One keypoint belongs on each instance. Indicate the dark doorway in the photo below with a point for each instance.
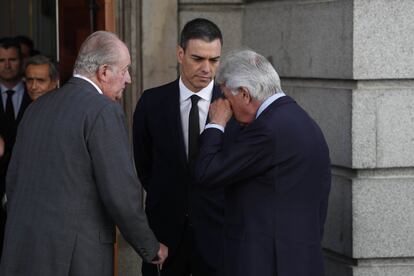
(78, 19)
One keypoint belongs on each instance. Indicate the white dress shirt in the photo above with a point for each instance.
(205, 95)
(17, 97)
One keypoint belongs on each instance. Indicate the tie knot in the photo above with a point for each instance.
(194, 99)
(10, 93)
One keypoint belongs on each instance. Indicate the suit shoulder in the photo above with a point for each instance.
(160, 91)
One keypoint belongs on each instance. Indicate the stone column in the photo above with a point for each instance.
(149, 28)
(350, 64)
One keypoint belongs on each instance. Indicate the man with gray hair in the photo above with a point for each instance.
(42, 76)
(276, 173)
(72, 179)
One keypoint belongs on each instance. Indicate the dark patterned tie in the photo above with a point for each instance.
(193, 132)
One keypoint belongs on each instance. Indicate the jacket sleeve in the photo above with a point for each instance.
(117, 181)
(249, 154)
(142, 143)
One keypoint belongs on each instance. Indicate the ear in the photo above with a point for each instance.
(245, 94)
(103, 73)
(180, 54)
(54, 84)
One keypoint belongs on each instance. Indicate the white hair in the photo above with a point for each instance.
(246, 68)
(99, 48)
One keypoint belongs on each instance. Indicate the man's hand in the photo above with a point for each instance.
(162, 255)
(220, 112)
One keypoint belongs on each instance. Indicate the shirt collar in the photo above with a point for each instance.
(204, 93)
(17, 88)
(268, 102)
(88, 80)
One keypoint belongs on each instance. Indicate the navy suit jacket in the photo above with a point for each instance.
(276, 176)
(172, 199)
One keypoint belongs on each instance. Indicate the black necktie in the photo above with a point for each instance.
(10, 119)
(193, 132)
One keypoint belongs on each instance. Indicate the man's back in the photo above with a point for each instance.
(70, 151)
(50, 184)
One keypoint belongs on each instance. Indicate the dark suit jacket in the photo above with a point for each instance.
(9, 136)
(70, 180)
(162, 167)
(276, 176)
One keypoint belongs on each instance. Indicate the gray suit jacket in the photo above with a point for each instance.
(70, 180)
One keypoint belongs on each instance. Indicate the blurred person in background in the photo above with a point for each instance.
(13, 102)
(41, 75)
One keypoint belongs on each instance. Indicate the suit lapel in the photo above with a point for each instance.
(1, 103)
(25, 102)
(173, 119)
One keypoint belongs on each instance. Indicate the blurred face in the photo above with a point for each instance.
(199, 62)
(38, 81)
(244, 108)
(117, 76)
(25, 51)
(10, 65)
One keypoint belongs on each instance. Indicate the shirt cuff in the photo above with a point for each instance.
(215, 126)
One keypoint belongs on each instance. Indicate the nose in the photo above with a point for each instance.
(206, 67)
(33, 85)
(127, 77)
(7, 63)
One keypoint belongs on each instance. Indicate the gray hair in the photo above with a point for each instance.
(40, 60)
(246, 68)
(99, 48)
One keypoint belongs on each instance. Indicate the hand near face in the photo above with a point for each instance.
(220, 112)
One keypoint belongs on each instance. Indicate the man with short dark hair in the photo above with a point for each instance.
(26, 47)
(167, 122)
(41, 75)
(13, 102)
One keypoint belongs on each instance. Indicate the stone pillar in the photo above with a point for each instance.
(350, 64)
(149, 28)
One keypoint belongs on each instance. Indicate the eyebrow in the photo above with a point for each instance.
(200, 57)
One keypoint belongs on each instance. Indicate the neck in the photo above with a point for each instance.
(10, 84)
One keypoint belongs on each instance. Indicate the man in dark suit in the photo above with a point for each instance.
(276, 173)
(13, 102)
(72, 179)
(167, 123)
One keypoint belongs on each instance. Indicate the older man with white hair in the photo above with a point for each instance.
(72, 179)
(276, 173)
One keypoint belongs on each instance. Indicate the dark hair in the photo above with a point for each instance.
(22, 39)
(10, 42)
(200, 28)
(41, 59)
